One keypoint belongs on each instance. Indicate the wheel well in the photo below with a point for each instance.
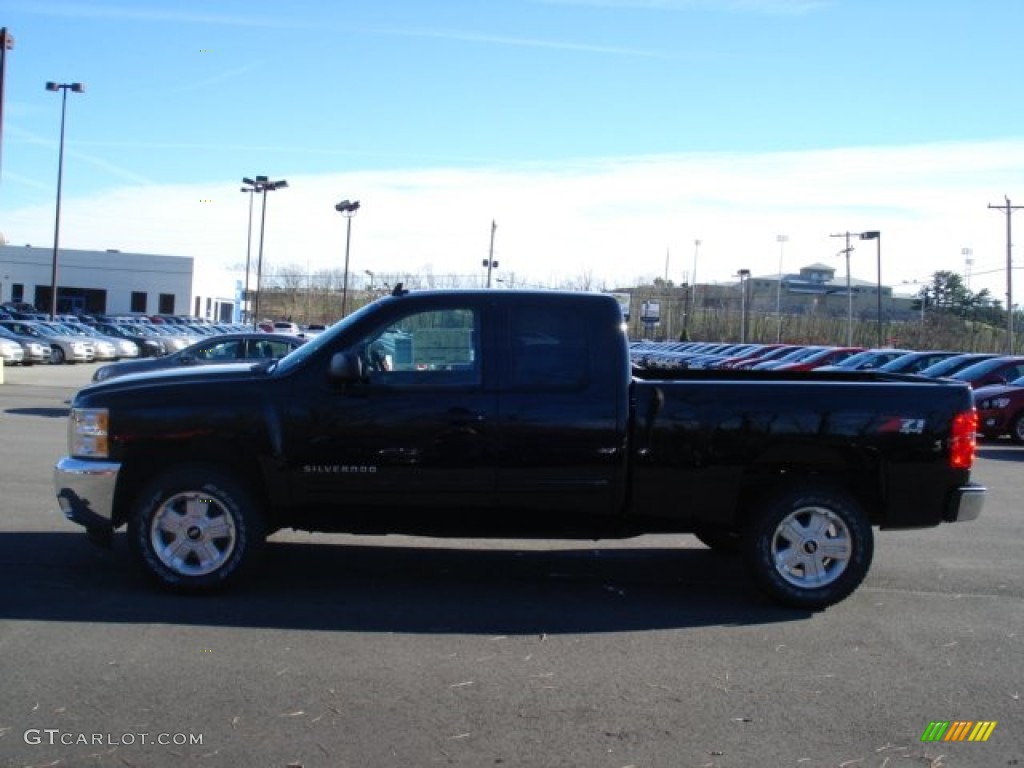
(146, 463)
(853, 472)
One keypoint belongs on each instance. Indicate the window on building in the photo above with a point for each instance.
(165, 306)
(17, 292)
(138, 301)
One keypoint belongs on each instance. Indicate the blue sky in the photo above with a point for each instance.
(604, 136)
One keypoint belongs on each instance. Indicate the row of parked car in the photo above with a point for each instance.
(996, 380)
(64, 340)
(28, 337)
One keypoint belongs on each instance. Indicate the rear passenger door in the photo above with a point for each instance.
(559, 422)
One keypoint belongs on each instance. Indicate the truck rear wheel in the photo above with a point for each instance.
(809, 548)
(196, 528)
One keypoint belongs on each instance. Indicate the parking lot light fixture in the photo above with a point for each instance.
(346, 208)
(251, 188)
(877, 237)
(63, 88)
(265, 185)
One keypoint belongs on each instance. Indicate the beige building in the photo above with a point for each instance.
(814, 289)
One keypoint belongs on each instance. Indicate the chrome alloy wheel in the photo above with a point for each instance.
(811, 547)
(193, 533)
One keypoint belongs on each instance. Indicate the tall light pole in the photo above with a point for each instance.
(877, 237)
(264, 185)
(781, 240)
(252, 189)
(6, 44)
(347, 209)
(63, 88)
(744, 280)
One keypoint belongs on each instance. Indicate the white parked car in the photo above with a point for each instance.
(11, 352)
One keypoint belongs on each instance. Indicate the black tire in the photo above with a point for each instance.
(57, 356)
(1017, 429)
(809, 548)
(719, 540)
(196, 529)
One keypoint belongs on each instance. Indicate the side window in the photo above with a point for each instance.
(437, 348)
(277, 349)
(549, 349)
(226, 350)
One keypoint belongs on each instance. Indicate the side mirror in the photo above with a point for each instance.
(345, 367)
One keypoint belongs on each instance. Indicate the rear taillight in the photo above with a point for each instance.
(963, 441)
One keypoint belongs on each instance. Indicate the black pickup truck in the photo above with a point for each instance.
(514, 414)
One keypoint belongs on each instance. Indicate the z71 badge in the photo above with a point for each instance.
(903, 426)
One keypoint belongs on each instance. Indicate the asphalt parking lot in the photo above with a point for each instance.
(394, 651)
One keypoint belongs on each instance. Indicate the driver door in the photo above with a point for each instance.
(416, 430)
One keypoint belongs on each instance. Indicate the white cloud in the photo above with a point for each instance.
(614, 218)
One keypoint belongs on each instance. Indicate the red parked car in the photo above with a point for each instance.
(1001, 410)
(996, 370)
(829, 356)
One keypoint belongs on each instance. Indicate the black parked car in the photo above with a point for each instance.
(226, 348)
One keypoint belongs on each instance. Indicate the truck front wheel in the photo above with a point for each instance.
(809, 548)
(195, 528)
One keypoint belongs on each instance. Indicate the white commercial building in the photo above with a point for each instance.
(114, 282)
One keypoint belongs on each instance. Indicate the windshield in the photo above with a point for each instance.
(952, 364)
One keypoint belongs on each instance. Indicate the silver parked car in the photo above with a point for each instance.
(120, 347)
(11, 352)
(35, 350)
(63, 349)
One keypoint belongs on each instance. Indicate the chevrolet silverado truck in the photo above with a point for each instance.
(514, 414)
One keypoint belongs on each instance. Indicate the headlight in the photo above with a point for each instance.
(87, 432)
(994, 403)
(78, 348)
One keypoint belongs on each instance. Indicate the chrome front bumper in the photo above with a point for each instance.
(85, 492)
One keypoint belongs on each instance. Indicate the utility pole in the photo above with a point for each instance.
(489, 262)
(849, 291)
(1008, 210)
